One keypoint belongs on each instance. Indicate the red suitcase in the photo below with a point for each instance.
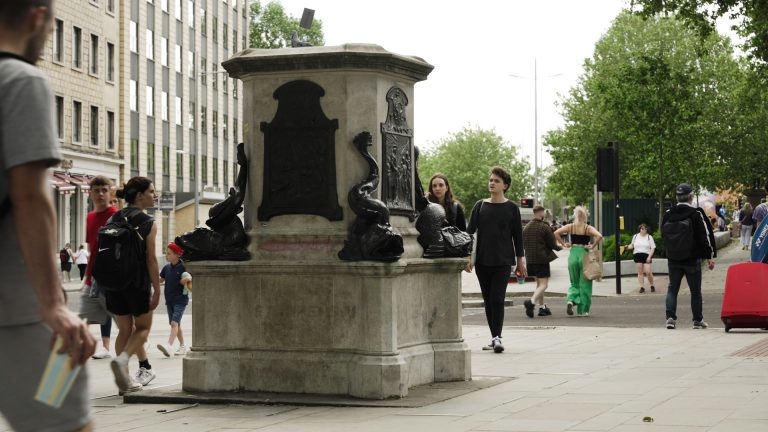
(745, 303)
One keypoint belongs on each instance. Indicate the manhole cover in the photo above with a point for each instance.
(757, 349)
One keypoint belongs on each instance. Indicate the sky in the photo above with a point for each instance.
(483, 53)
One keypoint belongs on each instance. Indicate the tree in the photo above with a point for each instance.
(271, 27)
(702, 15)
(665, 94)
(466, 158)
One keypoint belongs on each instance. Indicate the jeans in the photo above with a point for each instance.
(493, 283)
(746, 235)
(692, 273)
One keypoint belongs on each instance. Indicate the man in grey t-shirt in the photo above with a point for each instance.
(32, 304)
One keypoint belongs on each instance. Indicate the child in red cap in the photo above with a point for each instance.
(177, 285)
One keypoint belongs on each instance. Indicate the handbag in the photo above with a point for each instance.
(456, 242)
(93, 306)
(592, 265)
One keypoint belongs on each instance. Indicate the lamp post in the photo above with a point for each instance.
(536, 197)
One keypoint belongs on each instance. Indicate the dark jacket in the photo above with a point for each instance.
(539, 242)
(703, 246)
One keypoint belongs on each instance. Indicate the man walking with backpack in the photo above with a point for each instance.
(688, 238)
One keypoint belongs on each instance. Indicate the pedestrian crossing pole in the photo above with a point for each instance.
(617, 213)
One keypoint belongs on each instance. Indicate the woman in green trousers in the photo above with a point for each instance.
(581, 239)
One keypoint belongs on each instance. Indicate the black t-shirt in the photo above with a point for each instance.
(144, 222)
(499, 231)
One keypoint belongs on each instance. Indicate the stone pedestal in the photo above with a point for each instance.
(296, 318)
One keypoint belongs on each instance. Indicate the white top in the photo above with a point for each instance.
(643, 244)
(81, 257)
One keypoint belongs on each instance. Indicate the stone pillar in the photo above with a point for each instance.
(296, 318)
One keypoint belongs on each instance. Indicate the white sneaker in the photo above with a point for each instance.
(144, 376)
(182, 350)
(101, 353)
(123, 379)
(165, 349)
(134, 387)
(498, 348)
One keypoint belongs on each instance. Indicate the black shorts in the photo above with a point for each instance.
(65, 267)
(128, 302)
(539, 270)
(641, 257)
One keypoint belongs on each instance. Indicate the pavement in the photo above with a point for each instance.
(551, 378)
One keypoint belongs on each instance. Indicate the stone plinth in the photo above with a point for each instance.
(296, 318)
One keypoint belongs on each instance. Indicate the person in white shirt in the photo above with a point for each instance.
(643, 247)
(81, 259)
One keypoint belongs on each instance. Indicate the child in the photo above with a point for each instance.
(177, 285)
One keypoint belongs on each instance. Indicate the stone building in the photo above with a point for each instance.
(139, 91)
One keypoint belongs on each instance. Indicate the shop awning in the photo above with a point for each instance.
(60, 182)
(82, 180)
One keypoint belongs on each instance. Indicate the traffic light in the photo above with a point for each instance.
(526, 202)
(604, 162)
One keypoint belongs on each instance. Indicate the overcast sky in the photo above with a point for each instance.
(475, 47)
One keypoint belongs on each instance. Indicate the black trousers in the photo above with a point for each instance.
(82, 267)
(493, 283)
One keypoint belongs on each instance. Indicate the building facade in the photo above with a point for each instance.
(140, 91)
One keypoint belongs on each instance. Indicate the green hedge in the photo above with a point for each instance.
(609, 247)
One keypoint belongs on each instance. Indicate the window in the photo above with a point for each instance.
(191, 115)
(94, 54)
(134, 30)
(150, 45)
(234, 131)
(150, 157)
(164, 5)
(203, 69)
(191, 64)
(150, 102)
(77, 48)
(135, 154)
(215, 123)
(215, 172)
(191, 13)
(215, 80)
(215, 28)
(177, 10)
(134, 96)
(60, 117)
(94, 126)
(110, 61)
(203, 115)
(177, 64)
(192, 170)
(77, 121)
(164, 105)
(58, 41)
(179, 164)
(202, 22)
(224, 82)
(234, 40)
(225, 35)
(224, 126)
(163, 51)
(166, 160)
(111, 6)
(226, 168)
(204, 169)
(110, 130)
(234, 89)
(178, 110)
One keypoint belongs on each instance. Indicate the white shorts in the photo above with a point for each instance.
(25, 353)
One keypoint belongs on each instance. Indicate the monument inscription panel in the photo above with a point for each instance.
(397, 143)
(299, 155)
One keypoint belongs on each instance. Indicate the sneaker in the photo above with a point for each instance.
(165, 349)
(181, 351)
(545, 311)
(144, 376)
(653, 289)
(488, 347)
(497, 346)
(133, 387)
(120, 370)
(529, 306)
(642, 290)
(671, 324)
(101, 353)
(700, 325)
(569, 308)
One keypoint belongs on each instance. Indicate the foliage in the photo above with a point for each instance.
(271, 27)
(609, 247)
(702, 15)
(466, 158)
(665, 95)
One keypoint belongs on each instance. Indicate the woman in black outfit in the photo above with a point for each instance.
(498, 227)
(440, 193)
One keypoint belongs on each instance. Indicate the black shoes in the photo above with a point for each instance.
(544, 311)
(529, 306)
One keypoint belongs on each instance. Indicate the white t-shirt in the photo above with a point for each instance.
(643, 244)
(81, 257)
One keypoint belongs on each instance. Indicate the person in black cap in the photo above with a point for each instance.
(688, 238)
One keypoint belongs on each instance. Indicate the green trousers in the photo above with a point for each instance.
(580, 291)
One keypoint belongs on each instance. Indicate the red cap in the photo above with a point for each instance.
(176, 248)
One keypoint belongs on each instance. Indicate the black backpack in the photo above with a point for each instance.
(678, 238)
(121, 255)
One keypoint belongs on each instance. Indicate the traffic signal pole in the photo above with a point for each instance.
(617, 214)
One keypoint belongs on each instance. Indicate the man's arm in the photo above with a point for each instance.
(35, 221)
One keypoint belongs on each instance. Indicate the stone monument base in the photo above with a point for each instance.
(365, 329)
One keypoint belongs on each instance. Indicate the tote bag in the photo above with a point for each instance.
(592, 263)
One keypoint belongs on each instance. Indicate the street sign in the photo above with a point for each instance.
(166, 202)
